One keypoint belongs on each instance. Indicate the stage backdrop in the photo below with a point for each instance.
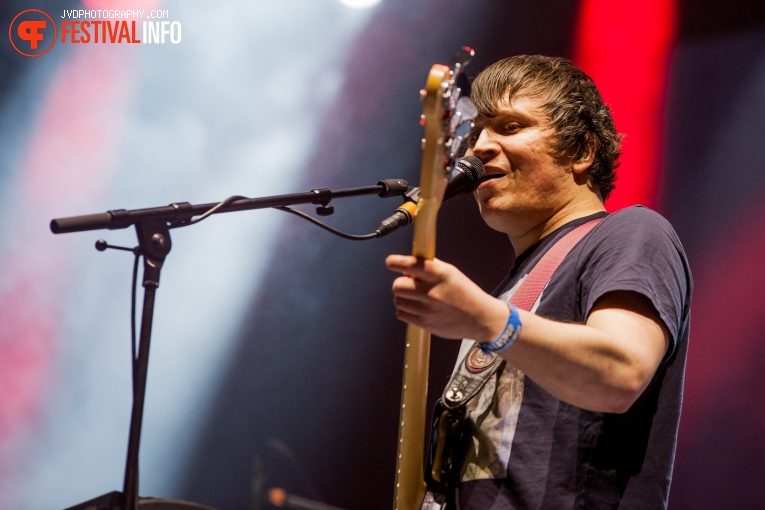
(276, 358)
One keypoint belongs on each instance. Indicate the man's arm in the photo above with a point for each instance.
(603, 365)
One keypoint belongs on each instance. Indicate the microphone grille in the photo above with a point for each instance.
(465, 177)
(473, 168)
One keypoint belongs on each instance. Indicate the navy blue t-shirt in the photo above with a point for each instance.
(532, 451)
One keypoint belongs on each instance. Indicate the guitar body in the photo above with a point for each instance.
(439, 99)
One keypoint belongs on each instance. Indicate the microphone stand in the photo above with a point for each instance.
(181, 212)
(154, 245)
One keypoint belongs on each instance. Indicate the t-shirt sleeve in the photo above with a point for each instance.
(637, 250)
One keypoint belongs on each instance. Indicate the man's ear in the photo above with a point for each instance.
(584, 161)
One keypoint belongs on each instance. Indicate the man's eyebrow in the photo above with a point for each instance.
(502, 117)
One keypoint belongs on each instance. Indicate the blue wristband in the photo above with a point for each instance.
(509, 335)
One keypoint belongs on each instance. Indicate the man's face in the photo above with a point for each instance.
(533, 181)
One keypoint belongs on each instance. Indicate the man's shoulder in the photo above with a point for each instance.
(638, 214)
(629, 239)
(634, 223)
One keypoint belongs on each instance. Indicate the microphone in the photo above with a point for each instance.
(464, 178)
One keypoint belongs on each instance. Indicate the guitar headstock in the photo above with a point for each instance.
(462, 111)
(448, 118)
(458, 112)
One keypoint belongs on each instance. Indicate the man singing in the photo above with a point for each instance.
(582, 409)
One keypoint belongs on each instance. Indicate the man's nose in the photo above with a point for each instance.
(485, 147)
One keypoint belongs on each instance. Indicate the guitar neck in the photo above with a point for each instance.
(410, 484)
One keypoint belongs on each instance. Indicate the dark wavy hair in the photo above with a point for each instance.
(569, 98)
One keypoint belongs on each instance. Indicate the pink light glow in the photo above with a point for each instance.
(66, 163)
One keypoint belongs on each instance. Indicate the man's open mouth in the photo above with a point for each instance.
(490, 177)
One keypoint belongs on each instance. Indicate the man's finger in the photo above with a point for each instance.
(414, 267)
(411, 288)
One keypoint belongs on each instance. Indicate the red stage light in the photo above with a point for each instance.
(626, 48)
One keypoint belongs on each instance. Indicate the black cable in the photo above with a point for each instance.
(207, 213)
(132, 312)
(318, 223)
(285, 208)
(133, 347)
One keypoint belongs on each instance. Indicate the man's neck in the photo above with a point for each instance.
(570, 212)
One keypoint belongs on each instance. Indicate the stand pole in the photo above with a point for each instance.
(154, 242)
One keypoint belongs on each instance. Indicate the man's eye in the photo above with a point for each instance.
(472, 138)
(512, 127)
